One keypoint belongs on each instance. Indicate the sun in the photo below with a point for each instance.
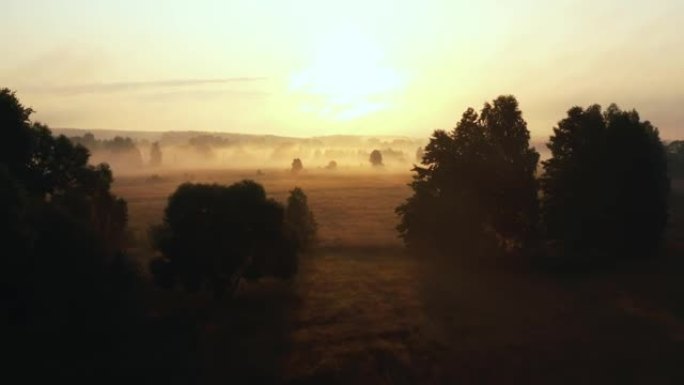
(347, 78)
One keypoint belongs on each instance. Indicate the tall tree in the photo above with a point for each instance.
(675, 158)
(297, 165)
(476, 185)
(155, 155)
(62, 232)
(15, 146)
(605, 187)
(300, 219)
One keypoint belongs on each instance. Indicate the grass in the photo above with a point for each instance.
(362, 311)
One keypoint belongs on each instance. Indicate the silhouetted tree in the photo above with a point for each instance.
(63, 280)
(155, 155)
(15, 146)
(605, 187)
(297, 165)
(300, 219)
(675, 158)
(376, 158)
(213, 236)
(476, 186)
(332, 165)
(87, 140)
(119, 150)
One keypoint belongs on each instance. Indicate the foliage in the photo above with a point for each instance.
(210, 141)
(299, 218)
(605, 188)
(118, 148)
(15, 147)
(214, 235)
(297, 165)
(675, 158)
(476, 186)
(332, 165)
(63, 279)
(376, 158)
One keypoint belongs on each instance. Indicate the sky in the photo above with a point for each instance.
(316, 67)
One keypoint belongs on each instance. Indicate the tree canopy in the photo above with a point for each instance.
(300, 219)
(376, 158)
(675, 158)
(297, 165)
(213, 236)
(62, 230)
(605, 187)
(476, 185)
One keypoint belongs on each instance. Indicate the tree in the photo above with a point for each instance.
(299, 218)
(376, 158)
(155, 155)
(297, 165)
(63, 280)
(476, 185)
(123, 151)
(675, 158)
(15, 146)
(605, 187)
(332, 165)
(213, 236)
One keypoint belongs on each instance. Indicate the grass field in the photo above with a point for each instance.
(361, 311)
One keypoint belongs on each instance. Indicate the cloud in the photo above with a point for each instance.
(136, 86)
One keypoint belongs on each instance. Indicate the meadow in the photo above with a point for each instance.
(363, 311)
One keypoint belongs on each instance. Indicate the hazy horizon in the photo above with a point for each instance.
(304, 69)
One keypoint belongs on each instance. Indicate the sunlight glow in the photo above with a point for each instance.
(346, 78)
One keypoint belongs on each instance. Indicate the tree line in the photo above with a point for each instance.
(602, 196)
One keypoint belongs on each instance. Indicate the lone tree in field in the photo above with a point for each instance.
(213, 236)
(332, 165)
(476, 186)
(297, 165)
(376, 158)
(299, 219)
(605, 187)
(155, 155)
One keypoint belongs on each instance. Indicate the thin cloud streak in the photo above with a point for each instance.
(140, 85)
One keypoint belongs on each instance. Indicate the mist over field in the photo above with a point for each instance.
(192, 150)
(342, 192)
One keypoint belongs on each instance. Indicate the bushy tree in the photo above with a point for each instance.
(300, 219)
(15, 146)
(675, 158)
(376, 158)
(213, 236)
(119, 151)
(332, 165)
(297, 165)
(63, 279)
(605, 187)
(476, 186)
